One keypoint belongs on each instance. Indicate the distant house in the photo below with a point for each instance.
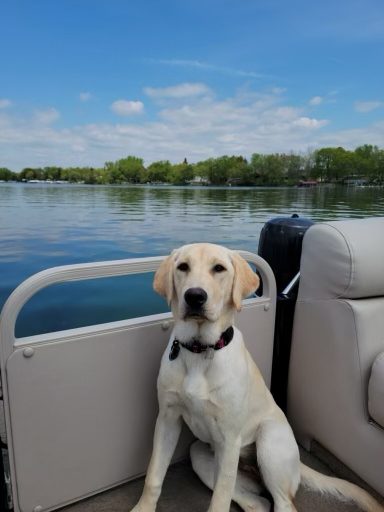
(199, 180)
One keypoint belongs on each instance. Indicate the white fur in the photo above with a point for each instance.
(224, 400)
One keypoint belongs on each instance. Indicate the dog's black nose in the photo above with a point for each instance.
(195, 297)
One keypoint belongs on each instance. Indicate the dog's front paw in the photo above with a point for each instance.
(263, 505)
(142, 508)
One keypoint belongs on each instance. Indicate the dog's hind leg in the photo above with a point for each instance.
(246, 488)
(279, 462)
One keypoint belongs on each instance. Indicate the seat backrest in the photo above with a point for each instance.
(343, 259)
(338, 333)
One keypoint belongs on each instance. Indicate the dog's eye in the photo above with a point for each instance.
(184, 267)
(219, 268)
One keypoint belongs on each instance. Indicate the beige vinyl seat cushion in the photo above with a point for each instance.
(376, 391)
(336, 374)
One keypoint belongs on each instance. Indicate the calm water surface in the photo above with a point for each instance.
(42, 226)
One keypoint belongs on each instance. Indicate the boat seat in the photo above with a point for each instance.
(336, 374)
(376, 391)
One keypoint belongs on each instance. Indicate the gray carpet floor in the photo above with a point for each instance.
(183, 491)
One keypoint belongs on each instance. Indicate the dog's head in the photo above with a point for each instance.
(203, 281)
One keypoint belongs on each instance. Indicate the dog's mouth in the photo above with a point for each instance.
(194, 314)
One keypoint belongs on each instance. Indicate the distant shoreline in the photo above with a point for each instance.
(328, 165)
(155, 185)
(319, 186)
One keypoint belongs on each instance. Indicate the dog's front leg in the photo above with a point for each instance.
(167, 432)
(226, 466)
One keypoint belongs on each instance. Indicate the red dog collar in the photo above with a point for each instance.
(197, 347)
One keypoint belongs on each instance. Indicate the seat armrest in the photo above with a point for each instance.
(376, 391)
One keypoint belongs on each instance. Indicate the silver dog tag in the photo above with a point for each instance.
(210, 353)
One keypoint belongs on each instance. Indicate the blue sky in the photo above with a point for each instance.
(87, 81)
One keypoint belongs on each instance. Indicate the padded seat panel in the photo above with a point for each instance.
(376, 390)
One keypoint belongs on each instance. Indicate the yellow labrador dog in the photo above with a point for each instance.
(208, 378)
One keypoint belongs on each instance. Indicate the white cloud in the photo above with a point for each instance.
(46, 116)
(307, 122)
(367, 106)
(178, 91)
(316, 100)
(210, 67)
(5, 103)
(350, 139)
(196, 127)
(85, 96)
(127, 108)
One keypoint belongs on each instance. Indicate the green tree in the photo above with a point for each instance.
(108, 172)
(52, 173)
(367, 160)
(267, 169)
(343, 164)
(333, 164)
(200, 169)
(293, 165)
(181, 174)
(323, 163)
(274, 169)
(160, 171)
(238, 170)
(6, 174)
(366, 151)
(380, 166)
(219, 169)
(375, 167)
(256, 169)
(130, 168)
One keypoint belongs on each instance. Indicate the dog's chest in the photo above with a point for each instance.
(201, 407)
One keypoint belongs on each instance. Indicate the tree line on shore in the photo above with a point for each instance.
(332, 165)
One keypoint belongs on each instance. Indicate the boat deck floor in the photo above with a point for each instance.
(183, 491)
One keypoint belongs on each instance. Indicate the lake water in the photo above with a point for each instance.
(42, 226)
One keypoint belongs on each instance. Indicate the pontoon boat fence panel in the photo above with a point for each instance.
(81, 404)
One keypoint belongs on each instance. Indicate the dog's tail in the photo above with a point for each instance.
(339, 488)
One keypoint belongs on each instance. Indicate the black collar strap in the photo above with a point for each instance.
(197, 347)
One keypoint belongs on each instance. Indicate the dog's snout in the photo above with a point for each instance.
(195, 297)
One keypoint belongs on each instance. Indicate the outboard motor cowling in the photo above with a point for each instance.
(280, 244)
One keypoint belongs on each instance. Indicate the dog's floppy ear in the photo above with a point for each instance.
(245, 281)
(163, 280)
